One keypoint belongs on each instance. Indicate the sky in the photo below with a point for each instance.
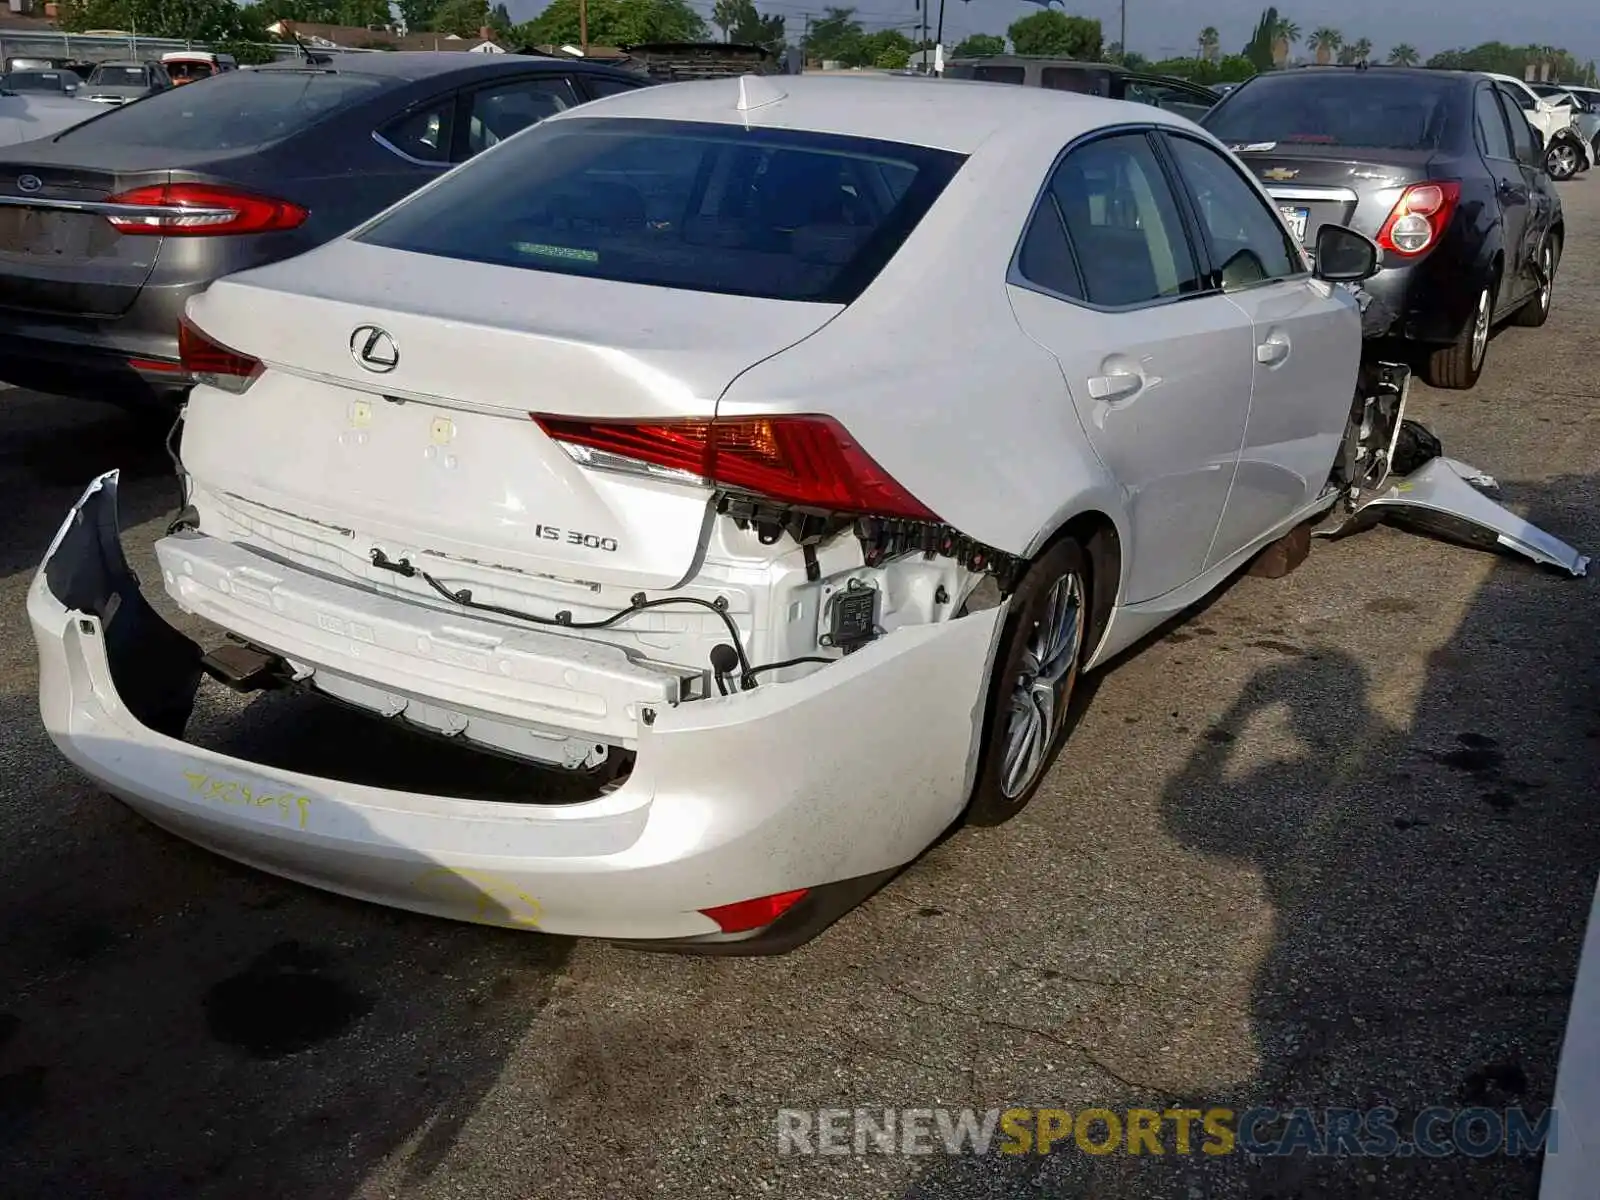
(1169, 28)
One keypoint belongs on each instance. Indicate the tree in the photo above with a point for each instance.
(1326, 42)
(1358, 51)
(753, 29)
(1056, 35)
(1235, 68)
(362, 13)
(1404, 55)
(1260, 48)
(725, 14)
(187, 20)
(416, 15)
(613, 23)
(1210, 43)
(887, 50)
(461, 17)
(836, 36)
(1284, 36)
(979, 45)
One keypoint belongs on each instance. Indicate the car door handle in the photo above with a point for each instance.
(1274, 350)
(1512, 192)
(1117, 386)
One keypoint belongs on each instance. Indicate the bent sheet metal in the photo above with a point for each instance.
(1443, 497)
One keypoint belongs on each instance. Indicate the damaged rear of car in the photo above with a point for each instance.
(508, 509)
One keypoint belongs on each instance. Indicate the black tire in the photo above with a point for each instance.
(1456, 367)
(996, 794)
(1537, 310)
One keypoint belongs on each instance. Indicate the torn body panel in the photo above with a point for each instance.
(728, 798)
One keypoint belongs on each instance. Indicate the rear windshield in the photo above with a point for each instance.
(1337, 108)
(243, 109)
(119, 76)
(33, 81)
(706, 207)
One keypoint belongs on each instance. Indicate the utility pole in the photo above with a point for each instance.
(583, 26)
(938, 38)
(1124, 34)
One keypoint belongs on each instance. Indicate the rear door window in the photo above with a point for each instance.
(1121, 221)
(601, 86)
(1523, 139)
(1494, 139)
(760, 212)
(496, 112)
(235, 111)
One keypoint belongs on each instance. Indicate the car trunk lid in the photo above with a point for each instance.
(397, 398)
(58, 252)
(1316, 186)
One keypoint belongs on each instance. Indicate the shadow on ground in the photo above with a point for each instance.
(51, 447)
(1430, 886)
(172, 1024)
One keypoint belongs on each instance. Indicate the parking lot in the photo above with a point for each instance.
(1329, 842)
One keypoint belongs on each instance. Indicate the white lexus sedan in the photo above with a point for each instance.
(772, 453)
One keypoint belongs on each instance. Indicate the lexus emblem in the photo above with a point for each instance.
(29, 183)
(374, 349)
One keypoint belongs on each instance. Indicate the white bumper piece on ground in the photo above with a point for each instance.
(829, 783)
(1445, 498)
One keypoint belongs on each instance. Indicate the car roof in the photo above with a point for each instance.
(946, 114)
(121, 62)
(420, 64)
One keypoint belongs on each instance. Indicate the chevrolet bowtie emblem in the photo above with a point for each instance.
(1279, 174)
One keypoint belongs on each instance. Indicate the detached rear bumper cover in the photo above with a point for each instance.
(1443, 497)
(836, 779)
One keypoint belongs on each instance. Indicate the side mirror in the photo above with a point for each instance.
(1345, 256)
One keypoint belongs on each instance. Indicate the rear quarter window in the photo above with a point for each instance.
(703, 207)
(234, 111)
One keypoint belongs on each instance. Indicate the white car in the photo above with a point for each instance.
(24, 117)
(774, 454)
(1567, 152)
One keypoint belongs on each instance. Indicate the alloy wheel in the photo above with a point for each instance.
(1043, 691)
(1480, 329)
(1547, 270)
(1563, 161)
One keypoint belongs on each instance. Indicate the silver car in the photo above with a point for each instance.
(120, 82)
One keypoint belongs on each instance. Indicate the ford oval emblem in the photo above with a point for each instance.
(29, 183)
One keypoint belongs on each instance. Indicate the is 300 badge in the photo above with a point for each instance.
(571, 537)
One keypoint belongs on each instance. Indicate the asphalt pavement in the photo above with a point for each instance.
(1329, 842)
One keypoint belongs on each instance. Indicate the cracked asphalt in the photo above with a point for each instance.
(1329, 842)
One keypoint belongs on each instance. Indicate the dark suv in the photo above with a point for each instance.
(1192, 100)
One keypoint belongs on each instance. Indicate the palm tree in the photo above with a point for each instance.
(1361, 50)
(1210, 40)
(1286, 35)
(1404, 55)
(1326, 42)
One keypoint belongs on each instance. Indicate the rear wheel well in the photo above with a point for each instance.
(1097, 534)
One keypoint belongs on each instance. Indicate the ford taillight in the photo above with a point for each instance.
(202, 210)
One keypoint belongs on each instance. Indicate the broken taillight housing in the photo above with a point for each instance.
(203, 210)
(1420, 218)
(809, 461)
(214, 364)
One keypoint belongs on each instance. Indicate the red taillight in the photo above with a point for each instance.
(1419, 218)
(213, 363)
(201, 210)
(806, 460)
(754, 914)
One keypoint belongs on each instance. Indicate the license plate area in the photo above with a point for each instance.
(1296, 219)
(44, 234)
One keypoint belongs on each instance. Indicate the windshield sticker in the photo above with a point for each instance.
(569, 253)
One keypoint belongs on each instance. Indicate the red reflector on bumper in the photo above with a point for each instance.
(753, 914)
